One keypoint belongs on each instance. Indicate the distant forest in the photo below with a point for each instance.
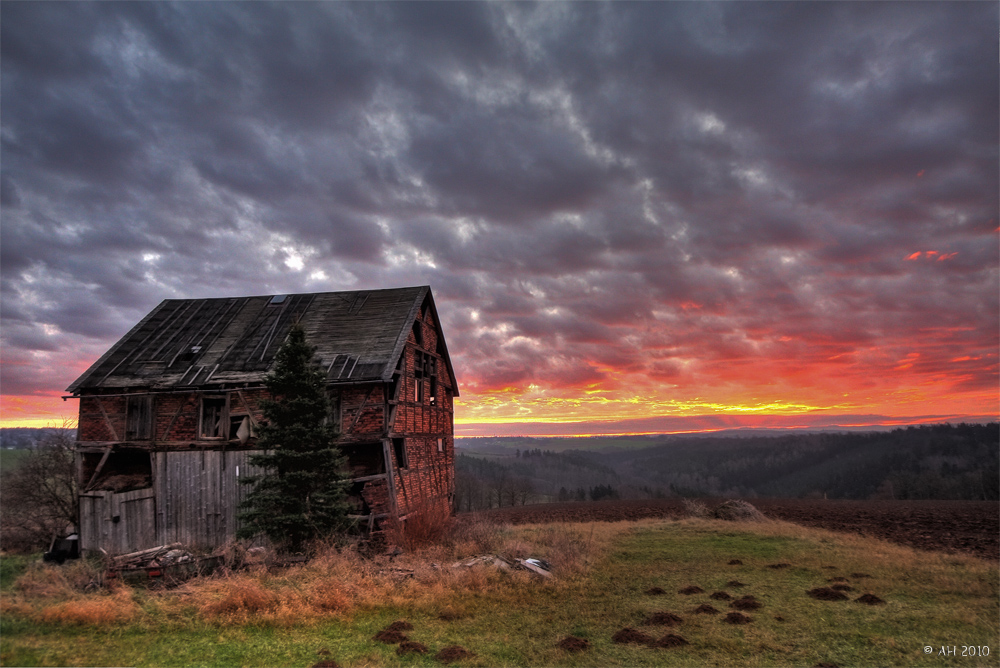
(23, 438)
(927, 462)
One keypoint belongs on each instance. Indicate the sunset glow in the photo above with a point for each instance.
(634, 217)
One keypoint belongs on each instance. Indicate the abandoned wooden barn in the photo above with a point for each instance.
(168, 414)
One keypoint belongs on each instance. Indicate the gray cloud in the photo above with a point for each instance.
(653, 189)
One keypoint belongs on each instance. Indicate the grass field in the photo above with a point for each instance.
(331, 608)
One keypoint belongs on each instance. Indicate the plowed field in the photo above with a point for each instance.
(971, 527)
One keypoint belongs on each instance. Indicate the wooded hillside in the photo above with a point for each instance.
(927, 462)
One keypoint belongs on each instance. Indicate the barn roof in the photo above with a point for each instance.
(185, 343)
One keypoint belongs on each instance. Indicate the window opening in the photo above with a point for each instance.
(124, 470)
(364, 459)
(139, 418)
(440, 445)
(213, 410)
(418, 391)
(418, 334)
(399, 448)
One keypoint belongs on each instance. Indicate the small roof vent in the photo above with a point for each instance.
(277, 299)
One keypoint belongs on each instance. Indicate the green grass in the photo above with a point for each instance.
(932, 600)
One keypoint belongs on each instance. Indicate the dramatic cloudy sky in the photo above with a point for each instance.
(627, 212)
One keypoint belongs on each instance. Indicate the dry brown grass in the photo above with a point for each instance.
(429, 524)
(334, 584)
(115, 607)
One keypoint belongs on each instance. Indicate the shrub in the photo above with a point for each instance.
(695, 508)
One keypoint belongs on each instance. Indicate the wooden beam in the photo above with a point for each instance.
(361, 409)
(100, 465)
(389, 471)
(107, 420)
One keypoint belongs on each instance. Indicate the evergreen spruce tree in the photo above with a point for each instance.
(301, 494)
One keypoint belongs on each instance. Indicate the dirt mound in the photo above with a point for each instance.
(399, 625)
(691, 589)
(746, 603)
(389, 637)
(574, 644)
(838, 579)
(827, 594)
(669, 640)
(735, 583)
(629, 635)
(737, 511)
(453, 653)
(662, 619)
(655, 591)
(735, 562)
(842, 587)
(860, 576)
(411, 647)
(826, 664)
(869, 599)
(779, 566)
(720, 596)
(737, 618)
(705, 609)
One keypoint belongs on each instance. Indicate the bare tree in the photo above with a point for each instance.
(38, 496)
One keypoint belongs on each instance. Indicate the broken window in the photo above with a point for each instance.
(139, 418)
(418, 334)
(364, 459)
(399, 448)
(213, 410)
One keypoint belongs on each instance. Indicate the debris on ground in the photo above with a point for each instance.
(539, 567)
(164, 564)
